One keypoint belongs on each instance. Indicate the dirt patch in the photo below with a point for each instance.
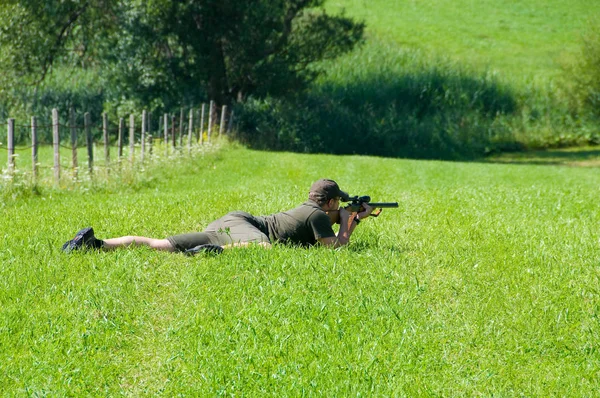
(585, 163)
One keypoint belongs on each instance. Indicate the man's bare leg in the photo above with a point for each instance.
(126, 241)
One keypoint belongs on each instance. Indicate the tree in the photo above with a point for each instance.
(177, 50)
(35, 35)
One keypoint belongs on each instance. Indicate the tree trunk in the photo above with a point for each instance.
(217, 81)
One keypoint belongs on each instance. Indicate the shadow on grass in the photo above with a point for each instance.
(431, 114)
(574, 157)
(359, 246)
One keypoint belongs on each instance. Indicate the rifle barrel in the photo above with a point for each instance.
(383, 205)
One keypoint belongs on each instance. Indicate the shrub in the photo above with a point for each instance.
(586, 72)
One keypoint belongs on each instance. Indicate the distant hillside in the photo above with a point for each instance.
(525, 39)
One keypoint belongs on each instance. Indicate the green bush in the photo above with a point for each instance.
(42, 106)
(65, 89)
(583, 85)
(82, 90)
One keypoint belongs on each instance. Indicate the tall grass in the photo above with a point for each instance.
(483, 282)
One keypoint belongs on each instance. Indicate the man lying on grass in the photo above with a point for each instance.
(304, 225)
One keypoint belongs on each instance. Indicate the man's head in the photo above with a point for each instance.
(324, 190)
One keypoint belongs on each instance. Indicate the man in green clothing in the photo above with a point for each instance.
(305, 225)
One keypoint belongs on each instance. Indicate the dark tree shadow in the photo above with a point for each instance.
(433, 115)
(362, 246)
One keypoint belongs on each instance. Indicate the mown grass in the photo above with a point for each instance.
(483, 282)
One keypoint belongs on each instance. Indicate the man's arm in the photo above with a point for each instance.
(347, 226)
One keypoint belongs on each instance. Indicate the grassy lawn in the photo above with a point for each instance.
(484, 282)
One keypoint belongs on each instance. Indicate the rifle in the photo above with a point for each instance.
(355, 206)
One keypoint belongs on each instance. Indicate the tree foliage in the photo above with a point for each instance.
(35, 35)
(175, 51)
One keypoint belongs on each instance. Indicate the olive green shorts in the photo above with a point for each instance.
(234, 227)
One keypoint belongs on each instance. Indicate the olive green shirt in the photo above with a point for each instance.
(303, 225)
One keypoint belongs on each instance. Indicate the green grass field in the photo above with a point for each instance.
(483, 282)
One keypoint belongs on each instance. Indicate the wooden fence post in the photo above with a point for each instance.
(202, 123)
(120, 138)
(144, 115)
(173, 131)
(34, 149)
(222, 125)
(56, 145)
(131, 136)
(90, 142)
(181, 128)
(149, 126)
(190, 129)
(105, 139)
(166, 133)
(210, 119)
(73, 141)
(11, 145)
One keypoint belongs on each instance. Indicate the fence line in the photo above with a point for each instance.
(145, 137)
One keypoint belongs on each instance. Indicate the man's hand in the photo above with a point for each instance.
(366, 211)
(335, 215)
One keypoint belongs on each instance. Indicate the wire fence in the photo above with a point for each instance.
(173, 135)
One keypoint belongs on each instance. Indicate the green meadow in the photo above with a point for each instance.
(483, 282)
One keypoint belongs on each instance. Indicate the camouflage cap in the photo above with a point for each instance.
(328, 189)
